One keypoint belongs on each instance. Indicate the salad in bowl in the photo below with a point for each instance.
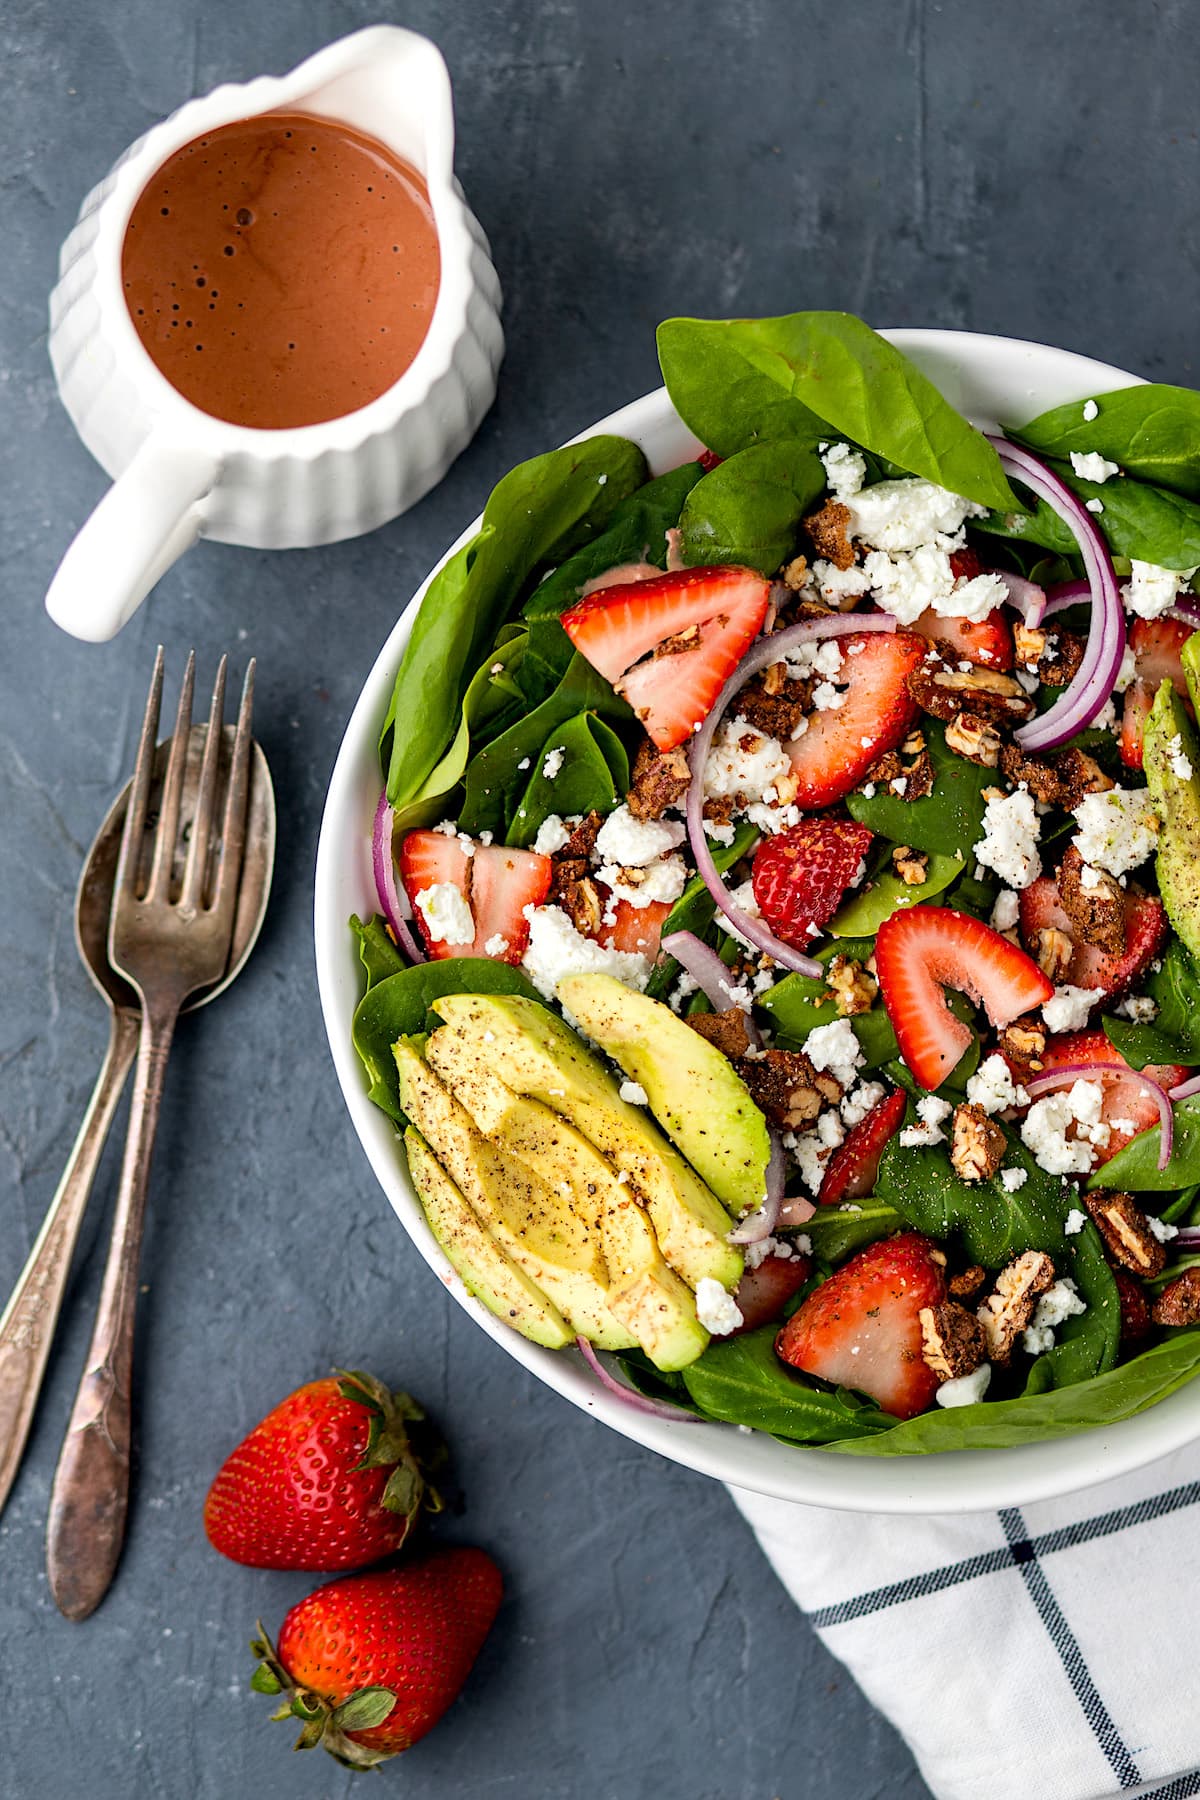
(787, 864)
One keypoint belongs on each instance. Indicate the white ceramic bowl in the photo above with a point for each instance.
(990, 379)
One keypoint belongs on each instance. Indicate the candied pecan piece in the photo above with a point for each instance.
(725, 1031)
(1024, 1043)
(911, 865)
(795, 573)
(660, 778)
(919, 776)
(565, 872)
(680, 643)
(852, 988)
(1059, 662)
(775, 711)
(1136, 1322)
(952, 1340)
(787, 1087)
(827, 529)
(1052, 951)
(582, 840)
(581, 902)
(1126, 1231)
(946, 692)
(1078, 774)
(1179, 1302)
(1096, 908)
(977, 1145)
(974, 738)
(1009, 1307)
(885, 768)
(967, 1283)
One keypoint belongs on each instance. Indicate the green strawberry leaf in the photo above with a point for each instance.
(263, 1681)
(368, 1707)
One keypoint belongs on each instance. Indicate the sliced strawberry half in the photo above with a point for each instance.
(851, 1170)
(762, 1293)
(634, 929)
(987, 643)
(693, 627)
(919, 952)
(801, 876)
(1146, 931)
(877, 712)
(1139, 698)
(1126, 1107)
(495, 882)
(1156, 644)
(862, 1329)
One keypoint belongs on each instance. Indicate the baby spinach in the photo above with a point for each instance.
(749, 508)
(1087, 1342)
(948, 821)
(1174, 1035)
(538, 514)
(398, 1006)
(799, 1003)
(835, 1234)
(1032, 523)
(593, 776)
(1135, 1168)
(1151, 431)
(993, 1224)
(743, 1381)
(821, 375)
(1000, 1424)
(865, 911)
(376, 949)
(1138, 520)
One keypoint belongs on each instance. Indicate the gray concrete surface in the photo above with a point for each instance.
(1020, 169)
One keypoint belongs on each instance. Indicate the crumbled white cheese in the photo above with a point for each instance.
(1074, 1222)
(827, 698)
(664, 881)
(552, 835)
(1006, 911)
(908, 583)
(683, 989)
(835, 585)
(1094, 506)
(810, 1155)
(932, 1112)
(1090, 410)
(861, 1100)
(635, 1093)
(1070, 1006)
(448, 918)
(815, 656)
(496, 946)
(1180, 765)
(1151, 591)
(1160, 1229)
(993, 1088)
(836, 1049)
(1117, 830)
(909, 513)
(553, 763)
(1092, 466)
(634, 843)
(556, 950)
(845, 470)
(1138, 1007)
(830, 1130)
(965, 1390)
(525, 762)
(742, 763)
(767, 1249)
(1010, 838)
(716, 1309)
(1059, 1302)
(1012, 1179)
(1044, 1131)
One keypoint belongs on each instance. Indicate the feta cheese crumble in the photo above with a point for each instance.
(1006, 911)
(448, 918)
(1117, 830)
(1011, 830)
(836, 1049)
(635, 843)
(1044, 1131)
(553, 763)
(931, 1111)
(845, 470)
(993, 1088)
(716, 1309)
(1011, 1180)
(909, 514)
(861, 1101)
(965, 1390)
(1074, 1222)
(556, 950)
(1160, 1229)
(663, 882)
(552, 835)
(1180, 765)
(1069, 1009)
(635, 1093)
(496, 946)
(1151, 591)
(1090, 410)
(1058, 1303)
(1092, 466)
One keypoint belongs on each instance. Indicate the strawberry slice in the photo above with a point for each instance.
(693, 627)
(1124, 1101)
(926, 948)
(496, 883)
(635, 929)
(851, 1170)
(877, 712)
(987, 643)
(861, 1328)
(1139, 698)
(801, 876)
(1156, 644)
(762, 1293)
(1146, 931)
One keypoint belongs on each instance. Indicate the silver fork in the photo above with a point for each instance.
(168, 941)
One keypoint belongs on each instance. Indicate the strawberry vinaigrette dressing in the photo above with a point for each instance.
(282, 270)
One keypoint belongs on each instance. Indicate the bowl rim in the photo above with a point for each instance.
(979, 372)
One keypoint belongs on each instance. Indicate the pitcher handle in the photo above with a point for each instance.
(147, 519)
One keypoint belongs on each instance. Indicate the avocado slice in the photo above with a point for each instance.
(694, 1092)
(1177, 801)
(643, 1292)
(534, 1053)
(486, 1271)
(533, 1226)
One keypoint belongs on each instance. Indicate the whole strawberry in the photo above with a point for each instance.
(331, 1479)
(370, 1663)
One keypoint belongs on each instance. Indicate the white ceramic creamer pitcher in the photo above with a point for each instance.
(178, 472)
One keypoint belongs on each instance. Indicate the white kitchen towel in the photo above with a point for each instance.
(1047, 1652)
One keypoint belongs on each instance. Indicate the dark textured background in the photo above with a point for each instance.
(1022, 169)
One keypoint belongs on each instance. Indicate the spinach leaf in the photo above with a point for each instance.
(1152, 431)
(539, 513)
(398, 1007)
(749, 508)
(1150, 523)
(376, 949)
(743, 1381)
(799, 1003)
(948, 821)
(1135, 1168)
(1032, 1418)
(994, 1225)
(835, 1234)
(593, 776)
(877, 900)
(818, 375)
(1174, 1037)
(1087, 1343)
(494, 777)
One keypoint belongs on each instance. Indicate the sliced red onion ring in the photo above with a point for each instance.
(767, 650)
(384, 865)
(658, 1409)
(705, 967)
(761, 1222)
(795, 1211)
(1185, 1089)
(1079, 704)
(1186, 609)
(1028, 598)
(1073, 1072)
(1067, 593)
(1186, 1238)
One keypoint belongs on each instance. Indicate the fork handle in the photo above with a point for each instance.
(90, 1497)
(28, 1321)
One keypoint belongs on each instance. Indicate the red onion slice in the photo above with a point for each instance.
(1072, 1072)
(767, 650)
(794, 1212)
(1186, 1238)
(1186, 609)
(658, 1409)
(384, 864)
(1028, 598)
(1075, 708)
(761, 1222)
(1185, 1089)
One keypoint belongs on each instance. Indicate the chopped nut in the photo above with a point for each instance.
(1079, 774)
(725, 1031)
(679, 644)
(1028, 644)
(795, 573)
(1126, 1232)
(852, 988)
(1179, 1302)
(1024, 1043)
(919, 776)
(775, 711)
(582, 840)
(1059, 780)
(970, 736)
(787, 1087)
(827, 529)
(952, 1341)
(580, 900)
(660, 778)
(1053, 951)
(945, 692)
(773, 678)
(911, 866)
(978, 1144)
(914, 743)
(1059, 662)
(565, 871)
(1009, 1307)
(1097, 912)
(967, 1283)
(720, 809)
